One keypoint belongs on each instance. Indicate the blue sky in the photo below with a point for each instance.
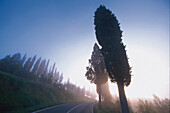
(63, 31)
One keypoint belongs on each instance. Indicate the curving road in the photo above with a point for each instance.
(79, 107)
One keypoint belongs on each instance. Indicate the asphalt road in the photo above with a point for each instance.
(80, 107)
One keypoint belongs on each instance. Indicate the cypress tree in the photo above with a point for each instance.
(55, 77)
(5, 63)
(27, 63)
(21, 65)
(60, 78)
(49, 70)
(96, 71)
(15, 63)
(23, 60)
(41, 69)
(46, 67)
(53, 69)
(109, 35)
(36, 66)
(31, 64)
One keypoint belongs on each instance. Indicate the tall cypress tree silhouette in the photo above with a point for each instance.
(41, 68)
(27, 63)
(15, 63)
(96, 71)
(53, 69)
(46, 67)
(31, 64)
(109, 35)
(35, 68)
(23, 60)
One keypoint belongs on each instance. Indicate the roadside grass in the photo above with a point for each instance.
(18, 95)
(33, 108)
(110, 107)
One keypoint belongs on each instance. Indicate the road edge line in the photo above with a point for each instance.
(49, 108)
(75, 107)
(93, 107)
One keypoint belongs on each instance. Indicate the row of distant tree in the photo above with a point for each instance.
(31, 68)
(38, 69)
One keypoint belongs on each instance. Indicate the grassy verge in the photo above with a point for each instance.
(18, 95)
(109, 107)
(33, 108)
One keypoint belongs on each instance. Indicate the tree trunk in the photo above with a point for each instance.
(122, 97)
(100, 106)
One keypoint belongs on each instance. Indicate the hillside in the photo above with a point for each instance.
(21, 95)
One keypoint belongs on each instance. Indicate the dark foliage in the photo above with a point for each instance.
(109, 35)
(20, 93)
(36, 70)
(96, 71)
(36, 66)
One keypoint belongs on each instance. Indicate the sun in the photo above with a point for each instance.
(149, 74)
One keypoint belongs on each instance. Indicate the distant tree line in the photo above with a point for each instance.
(31, 68)
(38, 69)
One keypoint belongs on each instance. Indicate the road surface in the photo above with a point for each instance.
(79, 107)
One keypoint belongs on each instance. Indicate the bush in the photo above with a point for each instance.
(156, 105)
(110, 107)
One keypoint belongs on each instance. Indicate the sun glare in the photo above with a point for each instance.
(150, 74)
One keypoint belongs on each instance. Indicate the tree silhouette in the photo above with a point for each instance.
(46, 67)
(23, 60)
(51, 73)
(41, 70)
(21, 65)
(109, 35)
(27, 64)
(35, 68)
(55, 77)
(40, 73)
(31, 64)
(96, 71)
(15, 63)
(5, 64)
(53, 69)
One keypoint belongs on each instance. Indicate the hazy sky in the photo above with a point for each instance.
(63, 31)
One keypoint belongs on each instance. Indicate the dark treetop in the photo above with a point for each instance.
(109, 35)
(96, 71)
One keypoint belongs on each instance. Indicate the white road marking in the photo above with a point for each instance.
(49, 108)
(75, 107)
(62, 105)
(93, 106)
